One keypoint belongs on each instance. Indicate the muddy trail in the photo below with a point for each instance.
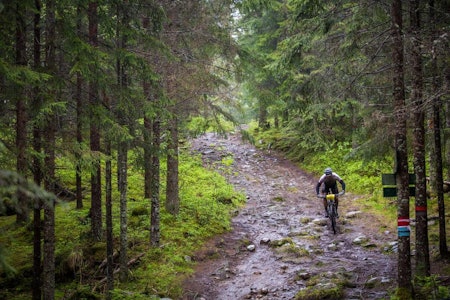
(280, 242)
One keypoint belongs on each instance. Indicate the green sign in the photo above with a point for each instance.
(390, 185)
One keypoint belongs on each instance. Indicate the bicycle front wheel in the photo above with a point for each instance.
(332, 215)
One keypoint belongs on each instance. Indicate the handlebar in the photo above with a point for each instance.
(324, 195)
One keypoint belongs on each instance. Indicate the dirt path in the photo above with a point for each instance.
(294, 249)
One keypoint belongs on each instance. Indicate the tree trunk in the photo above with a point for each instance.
(172, 190)
(122, 152)
(48, 279)
(422, 250)
(447, 122)
(109, 224)
(109, 215)
(147, 152)
(96, 194)
(37, 166)
(151, 160)
(443, 249)
(123, 185)
(79, 129)
(154, 187)
(402, 175)
(262, 124)
(285, 117)
(22, 215)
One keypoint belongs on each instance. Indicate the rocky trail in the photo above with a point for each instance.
(281, 244)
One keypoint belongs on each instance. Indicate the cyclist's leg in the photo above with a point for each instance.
(325, 202)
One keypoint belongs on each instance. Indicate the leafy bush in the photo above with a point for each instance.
(200, 125)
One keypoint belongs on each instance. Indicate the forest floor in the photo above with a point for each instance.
(280, 242)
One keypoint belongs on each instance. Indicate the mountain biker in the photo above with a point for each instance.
(329, 181)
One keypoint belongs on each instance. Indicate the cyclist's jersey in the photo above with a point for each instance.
(329, 182)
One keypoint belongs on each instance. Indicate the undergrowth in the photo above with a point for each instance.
(206, 204)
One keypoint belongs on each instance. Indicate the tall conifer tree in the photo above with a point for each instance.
(96, 195)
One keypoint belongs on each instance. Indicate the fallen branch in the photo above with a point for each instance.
(105, 261)
(130, 263)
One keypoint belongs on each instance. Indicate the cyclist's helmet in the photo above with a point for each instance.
(328, 171)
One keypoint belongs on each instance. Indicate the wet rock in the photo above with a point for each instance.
(353, 214)
(332, 247)
(279, 243)
(373, 282)
(304, 275)
(251, 248)
(320, 221)
(392, 247)
(369, 245)
(206, 152)
(264, 241)
(360, 240)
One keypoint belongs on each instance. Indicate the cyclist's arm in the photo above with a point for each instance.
(319, 184)
(318, 187)
(342, 184)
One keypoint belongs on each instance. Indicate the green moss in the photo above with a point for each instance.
(294, 250)
(279, 243)
(207, 204)
(324, 286)
(278, 199)
(227, 161)
(320, 292)
(305, 220)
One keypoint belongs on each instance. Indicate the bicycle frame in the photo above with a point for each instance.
(331, 208)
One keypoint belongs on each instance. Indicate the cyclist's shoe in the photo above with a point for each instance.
(337, 215)
(326, 215)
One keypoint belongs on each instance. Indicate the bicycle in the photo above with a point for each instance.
(331, 207)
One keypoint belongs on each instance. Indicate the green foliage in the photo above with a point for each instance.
(201, 124)
(227, 161)
(361, 176)
(12, 183)
(207, 203)
(430, 288)
(197, 126)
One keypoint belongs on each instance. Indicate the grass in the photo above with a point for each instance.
(207, 203)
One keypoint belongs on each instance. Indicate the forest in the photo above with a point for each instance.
(100, 98)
